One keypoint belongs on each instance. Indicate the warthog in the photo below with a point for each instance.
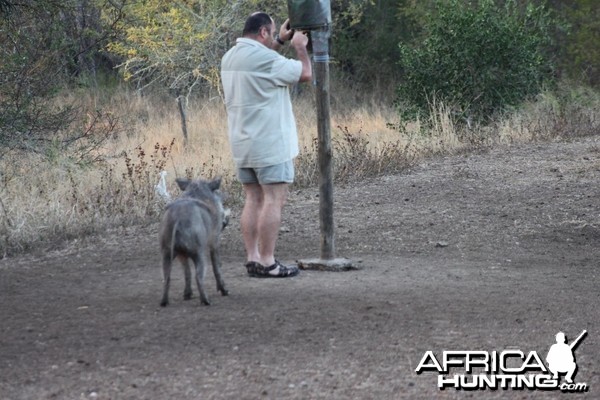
(190, 230)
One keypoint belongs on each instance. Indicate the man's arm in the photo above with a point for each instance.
(299, 43)
(285, 34)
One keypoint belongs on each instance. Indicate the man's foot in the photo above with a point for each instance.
(277, 270)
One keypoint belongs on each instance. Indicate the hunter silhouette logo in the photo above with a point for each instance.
(507, 369)
(560, 357)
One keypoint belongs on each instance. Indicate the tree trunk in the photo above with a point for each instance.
(181, 105)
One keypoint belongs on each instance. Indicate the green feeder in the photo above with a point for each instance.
(309, 14)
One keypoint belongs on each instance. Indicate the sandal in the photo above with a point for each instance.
(256, 270)
(252, 267)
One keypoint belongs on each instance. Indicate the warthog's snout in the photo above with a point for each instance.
(226, 214)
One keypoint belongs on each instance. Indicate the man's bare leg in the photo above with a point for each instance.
(253, 205)
(269, 221)
(261, 219)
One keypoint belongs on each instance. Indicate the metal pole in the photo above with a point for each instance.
(320, 45)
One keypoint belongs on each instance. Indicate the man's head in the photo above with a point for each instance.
(560, 338)
(260, 27)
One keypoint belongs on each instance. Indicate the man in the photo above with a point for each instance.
(262, 132)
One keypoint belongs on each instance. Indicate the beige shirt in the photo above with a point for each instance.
(256, 80)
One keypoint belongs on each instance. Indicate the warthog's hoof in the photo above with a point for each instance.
(206, 302)
(164, 303)
(187, 296)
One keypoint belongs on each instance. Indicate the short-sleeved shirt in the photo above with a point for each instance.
(256, 80)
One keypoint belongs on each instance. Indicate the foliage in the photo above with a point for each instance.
(477, 58)
(366, 35)
(492, 61)
(39, 57)
(355, 158)
(177, 44)
(27, 70)
(567, 111)
(353, 36)
(56, 203)
(582, 50)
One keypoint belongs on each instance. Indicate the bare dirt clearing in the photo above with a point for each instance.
(478, 252)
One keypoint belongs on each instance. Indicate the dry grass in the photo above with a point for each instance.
(43, 201)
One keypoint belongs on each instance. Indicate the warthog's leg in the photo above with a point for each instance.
(200, 272)
(166, 267)
(187, 292)
(216, 264)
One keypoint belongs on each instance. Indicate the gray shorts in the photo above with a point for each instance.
(279, 173)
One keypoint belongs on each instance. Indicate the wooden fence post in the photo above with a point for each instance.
(320, 40)
(328, 261)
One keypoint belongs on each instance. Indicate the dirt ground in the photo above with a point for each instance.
(491, 251)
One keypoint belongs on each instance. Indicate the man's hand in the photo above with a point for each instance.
(285, 33)
(299, 40)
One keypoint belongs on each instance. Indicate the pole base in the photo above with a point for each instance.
(335, 265)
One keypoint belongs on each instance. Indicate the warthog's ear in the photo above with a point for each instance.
(182, 183)
(214, 184)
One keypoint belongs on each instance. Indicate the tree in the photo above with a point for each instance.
(28, 69)
(38, 56)
(477, 58)
(176, 45)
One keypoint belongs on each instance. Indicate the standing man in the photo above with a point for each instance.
(262, 132)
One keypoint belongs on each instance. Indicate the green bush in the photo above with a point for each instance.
(477, 58)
